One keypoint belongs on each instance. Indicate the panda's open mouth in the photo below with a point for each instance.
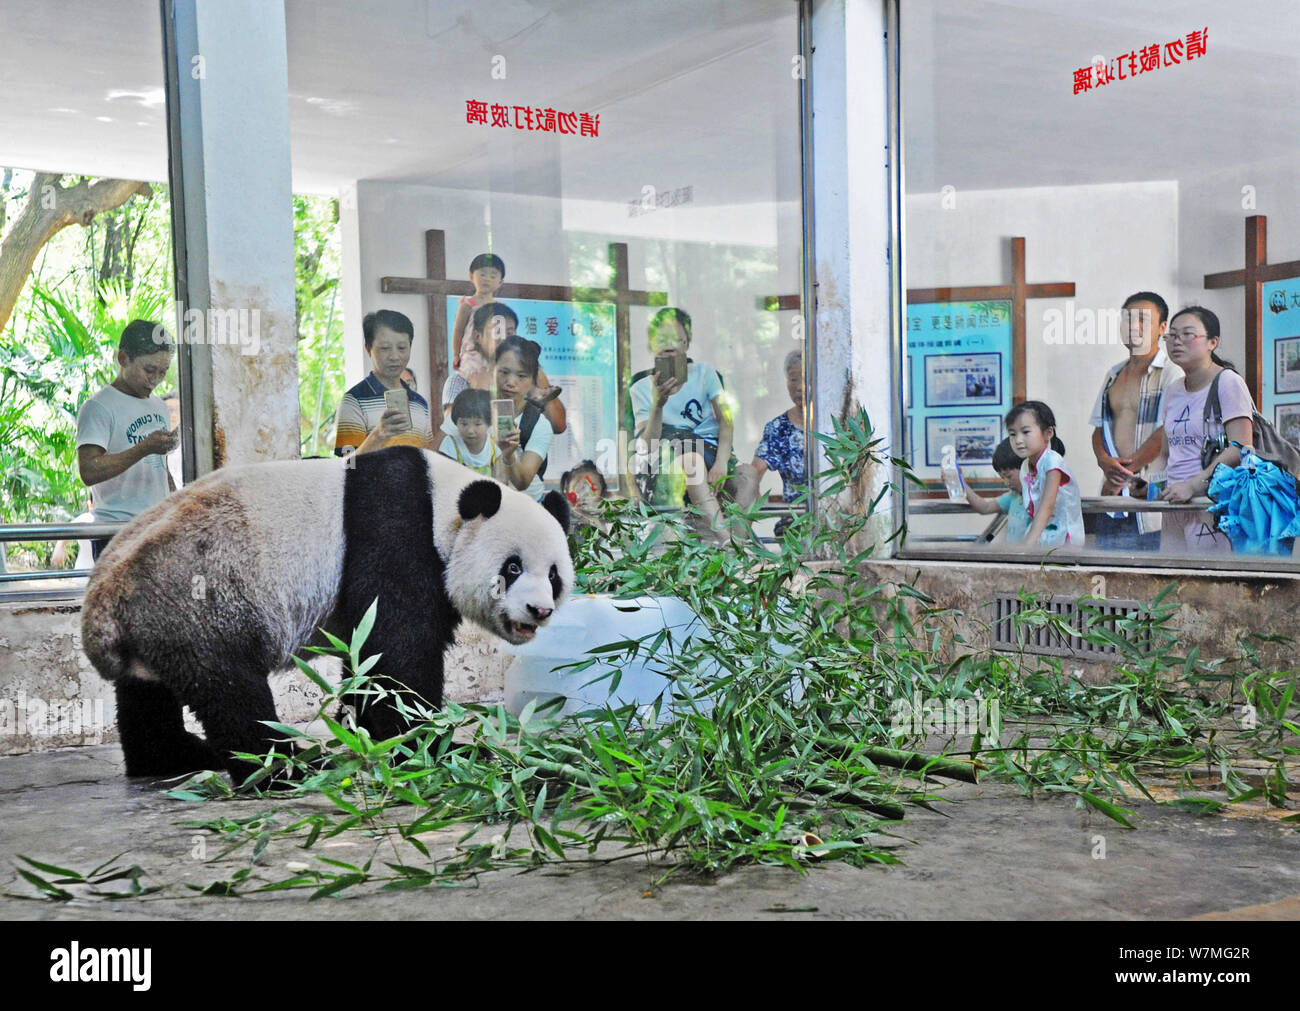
(520, 631)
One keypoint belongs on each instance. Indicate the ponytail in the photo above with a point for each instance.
(1042, 415)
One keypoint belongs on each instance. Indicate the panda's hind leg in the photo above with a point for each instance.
(231, 709)
(152, 729)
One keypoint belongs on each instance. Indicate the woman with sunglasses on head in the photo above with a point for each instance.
(1191, 341)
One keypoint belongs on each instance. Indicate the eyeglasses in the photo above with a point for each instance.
(1184, 335)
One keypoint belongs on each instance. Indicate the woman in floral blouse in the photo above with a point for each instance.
(782, 445)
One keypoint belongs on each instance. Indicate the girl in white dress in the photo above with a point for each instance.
(1051, 494)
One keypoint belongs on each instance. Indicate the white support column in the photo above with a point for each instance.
(356, 363)
(229, 90)
(851, 221)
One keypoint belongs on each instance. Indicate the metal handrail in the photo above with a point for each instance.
(52, 532)
(1096, 504)
(59, 531)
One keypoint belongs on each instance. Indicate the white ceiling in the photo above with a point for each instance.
(81, 88)
(690, 92)
(989, 103)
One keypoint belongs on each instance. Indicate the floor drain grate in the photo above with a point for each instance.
(1075, 613)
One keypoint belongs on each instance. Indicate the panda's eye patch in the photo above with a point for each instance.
(557, 586)
(511, 569)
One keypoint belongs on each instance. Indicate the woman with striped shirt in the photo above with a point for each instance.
(364, 421)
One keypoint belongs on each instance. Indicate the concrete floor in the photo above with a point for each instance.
(997, 855)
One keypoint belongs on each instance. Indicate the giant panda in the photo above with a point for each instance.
(200, 597)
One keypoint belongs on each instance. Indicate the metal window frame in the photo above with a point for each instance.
(1260, 568)
(189, 231)
(189, 272)
(808, 286)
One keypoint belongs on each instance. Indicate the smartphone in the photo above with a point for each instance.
(670, 365)
(397, 400)
(503, 417)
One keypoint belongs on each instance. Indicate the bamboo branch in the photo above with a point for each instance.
(962, 769)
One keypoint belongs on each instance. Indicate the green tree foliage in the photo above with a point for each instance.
(60, 344)
(317, 247)
(59, 348)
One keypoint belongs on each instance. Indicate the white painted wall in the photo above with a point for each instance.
(1212, 236)
(714, 259)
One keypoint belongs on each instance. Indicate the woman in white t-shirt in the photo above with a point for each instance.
(1191, 340)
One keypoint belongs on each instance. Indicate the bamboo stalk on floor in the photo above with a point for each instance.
(964, 769)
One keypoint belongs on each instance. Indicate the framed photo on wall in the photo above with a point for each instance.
(1286, 419)
(973, 439)
(1286, 365)
(963, 380)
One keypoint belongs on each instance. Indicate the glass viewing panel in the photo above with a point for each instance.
(563, 173)
(85, 248)
(1079, 183)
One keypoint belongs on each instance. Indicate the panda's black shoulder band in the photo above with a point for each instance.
(482, 498)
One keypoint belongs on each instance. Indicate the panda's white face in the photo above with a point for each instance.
(509, 567)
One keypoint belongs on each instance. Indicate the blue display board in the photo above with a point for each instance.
(579, 355)
(1279, 394)
(959, 383)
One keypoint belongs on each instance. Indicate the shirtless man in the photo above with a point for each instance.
(1127, 434)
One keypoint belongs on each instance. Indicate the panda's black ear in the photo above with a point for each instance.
(482, 498)
(558, 506)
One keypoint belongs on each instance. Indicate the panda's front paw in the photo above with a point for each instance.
(167, 758)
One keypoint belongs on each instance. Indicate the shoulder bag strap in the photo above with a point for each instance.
(1212, 409)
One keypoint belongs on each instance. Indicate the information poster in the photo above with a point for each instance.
(579, 355)
(1279, 395)
(959, 372)
(972, 437)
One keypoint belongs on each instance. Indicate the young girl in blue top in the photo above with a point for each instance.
(1051, 494)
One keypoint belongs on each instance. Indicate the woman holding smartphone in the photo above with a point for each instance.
(381, 410)
(523, 447)
(474, 365)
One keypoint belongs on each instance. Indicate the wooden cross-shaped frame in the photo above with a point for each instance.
(1257, 272)
(1016, 292)
(436, 286)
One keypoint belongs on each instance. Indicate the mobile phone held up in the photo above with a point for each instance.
(670, 365)
(397, 400)
(503, 418)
